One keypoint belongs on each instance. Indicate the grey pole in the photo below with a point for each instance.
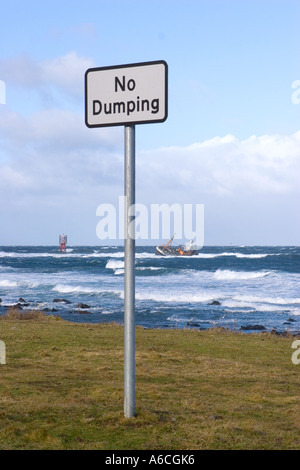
(129, 284)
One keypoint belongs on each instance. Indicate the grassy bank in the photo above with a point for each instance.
(62, 388)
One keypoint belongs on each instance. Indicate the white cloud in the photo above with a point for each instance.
(53, 151)
(65, 72)
(226, 165)
(56, 142)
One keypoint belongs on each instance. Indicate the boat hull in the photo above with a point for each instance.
(172, 251)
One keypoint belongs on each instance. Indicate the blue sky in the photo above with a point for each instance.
(231, 140)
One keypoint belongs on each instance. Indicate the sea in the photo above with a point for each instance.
(244, 288)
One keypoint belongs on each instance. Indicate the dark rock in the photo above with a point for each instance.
(83, 312)
(0, 301)
(18, 306)
(83, 306)
(291, 319)
(274, 332)
(278, 333)
(253, 327)
(23, 302)
(214, 302)
(49, 310)
(193, 323)
(62, 300)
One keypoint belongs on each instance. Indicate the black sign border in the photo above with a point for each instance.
(111, 67)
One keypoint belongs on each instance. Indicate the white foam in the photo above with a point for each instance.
(112, 264)
(173, 297)
(118, 272)
(237, 255)
(150, 268)
(68, 289)
(227, 275)
(7, 283)
(58, 254)
(268, 300)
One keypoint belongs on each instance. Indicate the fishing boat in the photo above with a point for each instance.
(169, 250)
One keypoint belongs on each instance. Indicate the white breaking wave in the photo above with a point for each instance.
(118, 254)
(4, 254)
(112, 264)
(58, 254)
(118, 272)
(237, 255)
(227, 275)
(268, 300)
(151, 268)
(68, 289)
(174, 297)
(7, 283)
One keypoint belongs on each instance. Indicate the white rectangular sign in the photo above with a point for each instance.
(126, 94)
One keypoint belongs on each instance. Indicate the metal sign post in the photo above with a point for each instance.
(127, 95)
(129, 284)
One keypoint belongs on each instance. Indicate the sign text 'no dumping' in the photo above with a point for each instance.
(126, 94)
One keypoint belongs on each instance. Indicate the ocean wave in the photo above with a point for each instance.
(227, 275)
(267, 300)
(119, 272)
(58, 254)
(250, 306)
(69, 289)
(150, 268)
(7, 283)
(174, 297)
(112, 264)
(118, 267)
(118, 254)
(237, 255)
(4, 254)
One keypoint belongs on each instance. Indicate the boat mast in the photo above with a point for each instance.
(169, 242)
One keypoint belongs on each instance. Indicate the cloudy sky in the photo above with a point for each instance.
(231, 140)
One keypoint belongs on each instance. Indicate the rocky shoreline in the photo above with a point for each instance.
(23, 306)
(21, 303)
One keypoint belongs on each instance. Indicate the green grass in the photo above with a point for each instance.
(62, 388)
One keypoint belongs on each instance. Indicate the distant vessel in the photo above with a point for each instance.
(168, 250)
(63, 239)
